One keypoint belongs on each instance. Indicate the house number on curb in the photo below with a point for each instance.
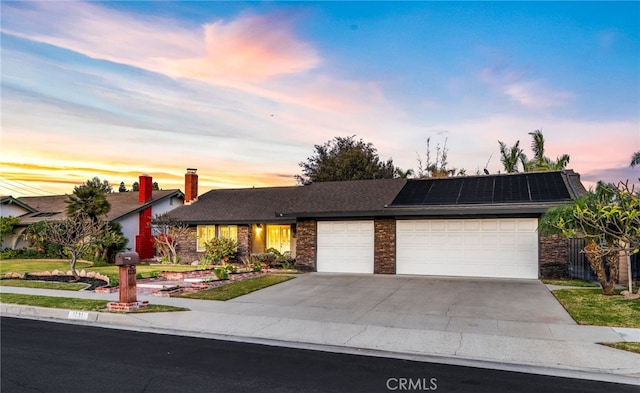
(78, 315)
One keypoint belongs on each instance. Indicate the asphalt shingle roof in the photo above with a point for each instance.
(122, 203)
(274, 204)
(528, 193)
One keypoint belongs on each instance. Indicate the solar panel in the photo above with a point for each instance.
(477, 190)
(517, 188)
(547, 188)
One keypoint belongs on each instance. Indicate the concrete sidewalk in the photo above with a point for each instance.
(389, 316)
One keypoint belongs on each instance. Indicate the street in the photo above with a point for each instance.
(47, 357)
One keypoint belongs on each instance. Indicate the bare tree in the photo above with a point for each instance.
(168, 232)
(76, 234)
(438, 167)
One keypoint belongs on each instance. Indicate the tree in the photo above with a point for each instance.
(514, 155)
(135, 187)
(540, 162)
(437, 168)
(102, 185)
(609, 220)
(122, 187)
(155, 186)
(109, 242)
(168, 233)
(76, 234)
(635, 159)
(90, 199)
(344, 159)
(402, 174)
(7, 225)
(511, 157)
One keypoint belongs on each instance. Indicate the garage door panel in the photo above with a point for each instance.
(468, 247)
(345, 246)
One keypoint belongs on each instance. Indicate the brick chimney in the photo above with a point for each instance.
(190, 186)
(145, 188)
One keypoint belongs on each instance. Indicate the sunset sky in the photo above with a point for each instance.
(244, 90)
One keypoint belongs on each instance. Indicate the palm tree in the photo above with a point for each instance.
(90, 199)
(510, 157)
(540, 162)
(635, 159)
(403, 174)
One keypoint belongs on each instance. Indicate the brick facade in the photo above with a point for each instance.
(554, 256)
(384, 259)
(187, 247)
(244, 241)
(306, 231)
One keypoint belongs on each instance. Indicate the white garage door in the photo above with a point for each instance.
(345, 246)
(468, 247)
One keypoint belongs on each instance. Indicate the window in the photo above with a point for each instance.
(208, 232)
(279, 237)
(228, 232)
(205, 233)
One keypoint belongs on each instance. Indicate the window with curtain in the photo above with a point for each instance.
(204, 234)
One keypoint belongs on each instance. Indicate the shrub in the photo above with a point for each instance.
(221, 273)
(265, 257)
(230, 268)
(8, 253)
(283, 258)
(220, 249)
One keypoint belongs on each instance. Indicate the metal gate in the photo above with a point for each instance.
(579, 265)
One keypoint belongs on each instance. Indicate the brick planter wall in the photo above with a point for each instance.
(306, 231)
(554, 256)
(384, 259)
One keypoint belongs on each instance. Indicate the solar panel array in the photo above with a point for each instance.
(519, 188)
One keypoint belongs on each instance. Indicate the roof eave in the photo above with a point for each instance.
(138, 209)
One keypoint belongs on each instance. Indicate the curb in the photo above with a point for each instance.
(131, 322)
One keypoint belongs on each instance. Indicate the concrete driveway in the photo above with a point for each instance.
(435, 303)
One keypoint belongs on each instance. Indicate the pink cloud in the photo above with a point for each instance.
(246, 48)
(534, 94)
(514, 84)
(250, 47)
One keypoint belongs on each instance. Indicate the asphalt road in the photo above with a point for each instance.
(47, 357)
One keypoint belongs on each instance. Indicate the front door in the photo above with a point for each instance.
(279, 237)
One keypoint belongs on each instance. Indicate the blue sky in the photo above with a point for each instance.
(244, 90)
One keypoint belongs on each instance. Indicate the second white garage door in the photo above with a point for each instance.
(345, 246)
(506, 247)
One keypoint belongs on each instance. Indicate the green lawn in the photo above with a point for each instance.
(37, 265)
(112, 271)
(67, 286)
(591, 307)
(571, 283)
(235, 289)
(54, 302)
(76, 304)
(625, 346)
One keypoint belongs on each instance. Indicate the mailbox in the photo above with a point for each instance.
(127, 258)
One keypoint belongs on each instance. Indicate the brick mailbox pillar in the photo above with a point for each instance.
(128, 289)
(127, 262)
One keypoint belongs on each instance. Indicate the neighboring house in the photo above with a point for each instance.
(133, 210)
(475, 226)
(11, 207)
